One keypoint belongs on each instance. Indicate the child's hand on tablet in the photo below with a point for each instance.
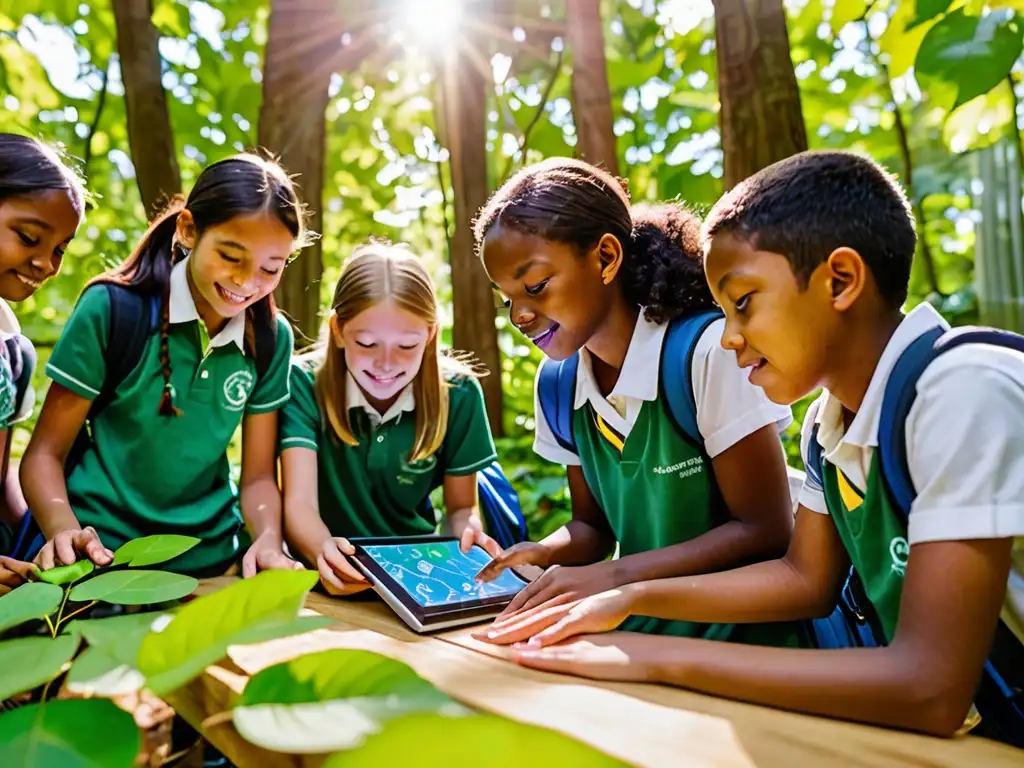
(473, 534)
(337, 574)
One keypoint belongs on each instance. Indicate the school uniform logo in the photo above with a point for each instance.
(684, 469)
(237, 388)
(899, 551)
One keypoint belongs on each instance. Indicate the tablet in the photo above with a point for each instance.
(430, 584)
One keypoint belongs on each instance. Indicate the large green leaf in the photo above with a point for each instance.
(68, 574)
(200, 633)
(29, 601)
(332, 700)
(31, 661)
(900, 41)
(135, 587)
(70, 733)
(971, 53)
(926, 10)
(482, 741)
(108, 667)
(150, 550)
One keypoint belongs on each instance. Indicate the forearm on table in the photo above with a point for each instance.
(578, 543)
(304, 529)
(42, 482)
(260, 500)
(887, 686)
(730, 545)
(762, 592)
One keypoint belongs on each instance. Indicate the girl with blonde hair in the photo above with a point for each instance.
(379, 417)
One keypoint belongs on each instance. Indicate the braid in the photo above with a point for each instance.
(167, 407)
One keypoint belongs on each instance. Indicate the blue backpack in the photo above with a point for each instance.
(1000, 697)
(556, 387)
(499, 506)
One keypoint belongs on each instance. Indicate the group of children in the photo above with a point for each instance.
(675, 350)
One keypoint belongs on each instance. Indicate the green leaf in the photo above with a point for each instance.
(68, 574)
(29, 662)
(973, 54)
(172, 17)
(201, 631)
(492, 741)
(845, 11)
(332, 700)
(150, 550)
(902, 43)
(29, 601)
(70, 733)
(135, 587)
(108, 667)
(926, 10)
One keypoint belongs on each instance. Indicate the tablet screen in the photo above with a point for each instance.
(437, 574)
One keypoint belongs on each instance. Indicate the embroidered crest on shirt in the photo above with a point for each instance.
(237, 388)
(899, 551)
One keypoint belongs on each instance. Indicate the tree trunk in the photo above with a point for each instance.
(150, 137)
(591, 97)
(463, 93)
(303, 36)
(761, 119)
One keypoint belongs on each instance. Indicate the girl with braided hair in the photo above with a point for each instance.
(597, 282)
(217, 355)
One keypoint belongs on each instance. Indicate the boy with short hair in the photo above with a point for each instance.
(810, 260)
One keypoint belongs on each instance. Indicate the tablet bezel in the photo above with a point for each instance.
(420, 617)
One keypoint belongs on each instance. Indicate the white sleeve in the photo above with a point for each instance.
(729, 407)
(965, 447)
(811, 495)
(544, 443)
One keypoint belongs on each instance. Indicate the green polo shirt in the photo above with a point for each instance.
(371, 489)
(145, 473)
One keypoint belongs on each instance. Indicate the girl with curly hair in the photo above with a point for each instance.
(595, 281)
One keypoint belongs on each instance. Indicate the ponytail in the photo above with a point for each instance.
(147, 271)
(663, 264)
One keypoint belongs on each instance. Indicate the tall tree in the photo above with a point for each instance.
(303, 36)
(591, 97)
(761, 118)
(462, 91)
(149, 123)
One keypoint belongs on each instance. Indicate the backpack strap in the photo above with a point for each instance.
(134, 317)
(265, 339)
(815, 459)
(22, 358)
(556, 390)
(676, 363)
(901, 393)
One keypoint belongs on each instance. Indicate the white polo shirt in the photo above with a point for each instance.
(729, 407)
(964, 436)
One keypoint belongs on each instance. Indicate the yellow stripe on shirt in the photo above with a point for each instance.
(608, 433)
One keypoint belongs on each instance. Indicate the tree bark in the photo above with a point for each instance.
(302, 37)
(761, 119)
(150, 136)
(463, 92)
(591, 96)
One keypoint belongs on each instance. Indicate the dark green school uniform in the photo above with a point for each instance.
(658, 492)
(145, 473)
(371, 489)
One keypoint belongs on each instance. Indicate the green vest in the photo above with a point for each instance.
(661, 491)
(873, 536)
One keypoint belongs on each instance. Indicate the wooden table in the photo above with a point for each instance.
(644, 725)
